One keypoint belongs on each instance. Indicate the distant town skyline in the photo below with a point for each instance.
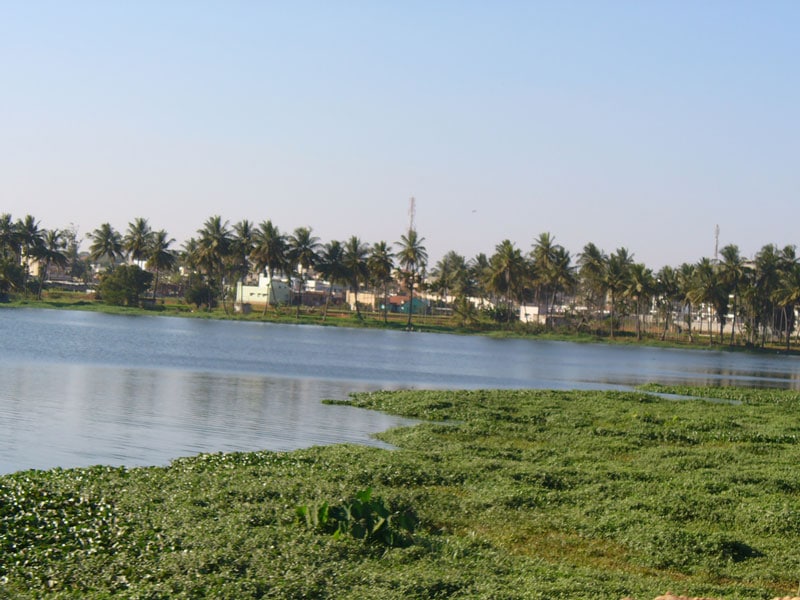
(641, 125)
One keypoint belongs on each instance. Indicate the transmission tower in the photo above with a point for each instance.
(412, 212)
(716, 243)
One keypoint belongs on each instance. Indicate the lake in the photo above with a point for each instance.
(82, 388)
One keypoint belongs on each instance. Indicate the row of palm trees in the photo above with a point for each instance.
(225, 255)
(755, 296)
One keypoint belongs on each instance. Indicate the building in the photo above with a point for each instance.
(266, 292)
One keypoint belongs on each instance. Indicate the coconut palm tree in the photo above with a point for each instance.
(413, 257)
(106, 243)
(242, 244)
(52, 253)
(733, 270)
(159, 257)
(686, 275)
(615, 279)
(710, 289)
(507, 274)
(640, 285)
(787, 295)
(303, 253)
(270, 254)
(591, 274)
(213, 247)
(380, 264)
(355, 260)
(137, 240)
(31, 239)
(331, 266)
(9, 238)
(667, 291)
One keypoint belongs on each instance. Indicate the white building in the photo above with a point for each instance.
(267, 291)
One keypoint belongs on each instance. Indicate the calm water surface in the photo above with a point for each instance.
(78, 389)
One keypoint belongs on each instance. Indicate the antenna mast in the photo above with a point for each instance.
(716, 243)
(412, 211)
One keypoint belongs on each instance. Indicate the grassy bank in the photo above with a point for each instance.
(504, 494)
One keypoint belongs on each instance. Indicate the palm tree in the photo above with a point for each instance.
(9, 238)
(31, 239)
(355, 260)
(543, 256)
(159, 257)
(788, 294)
(413, 257)
(269, 252)
(303, 252)
(241, 248)
(380, 264)
(668, 292)
(106, 243)
(639, 287)
(615, 279)
(508, 270)
(450, 276)
(686, 275)
(766, 276)
(592, 267)
(52, 252)
(331, 266)
(479, 275)
(137, 240)
(213, 247)
(709, 288)
(733, 270)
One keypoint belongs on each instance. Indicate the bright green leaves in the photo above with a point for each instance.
(363, 518)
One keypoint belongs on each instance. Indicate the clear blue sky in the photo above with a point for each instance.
(625, 123)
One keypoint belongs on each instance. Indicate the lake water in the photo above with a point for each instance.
(78, 389)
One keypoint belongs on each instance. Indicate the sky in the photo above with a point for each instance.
(630, 124)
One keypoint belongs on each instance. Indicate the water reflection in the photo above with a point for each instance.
(82, 388)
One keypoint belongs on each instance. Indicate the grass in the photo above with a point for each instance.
(514, 494)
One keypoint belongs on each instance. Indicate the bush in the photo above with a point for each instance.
(124, 285)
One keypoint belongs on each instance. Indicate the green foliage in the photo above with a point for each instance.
(364, 518)
(124, 285)
(199, 293)
(515, 494)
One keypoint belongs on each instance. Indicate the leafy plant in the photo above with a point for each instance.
(364, 518)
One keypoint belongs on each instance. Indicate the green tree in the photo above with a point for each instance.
(380, 264)
(710, 289)
(591, 274)
(303, 252)
(270, 254)
(640, 286)
(355, 260)
(31, 238)
(241, 249)
(213, 247)
(686, 276)
(733, 272)
(507, 273)
(51, 252)
(667, 290)
(106, 243)
(159, 256)
(137, 240)
(413, 257)
(331, 266)
(615, 280)
(124, 285)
